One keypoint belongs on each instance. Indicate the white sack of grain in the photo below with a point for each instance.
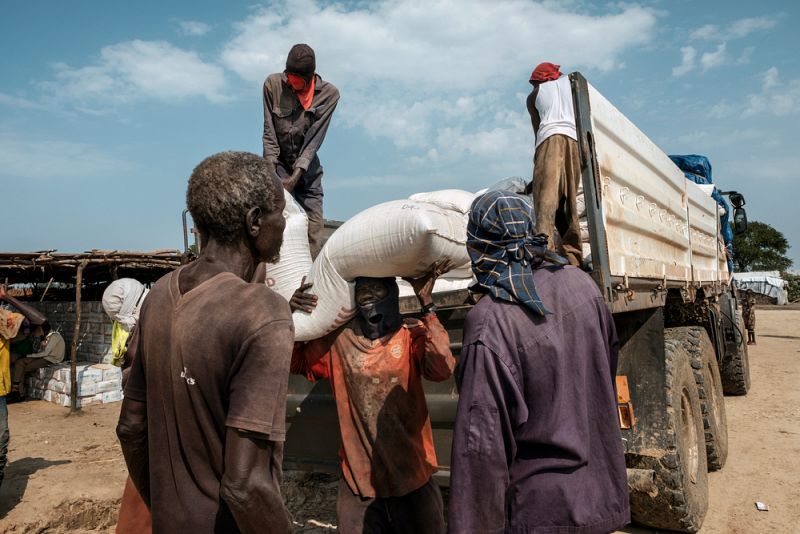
(449, 199)
(397, 238)
(284, 277)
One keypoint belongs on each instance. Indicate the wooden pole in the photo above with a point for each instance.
(73, 356)
(47, 288)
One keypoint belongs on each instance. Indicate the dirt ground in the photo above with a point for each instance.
(66, 474)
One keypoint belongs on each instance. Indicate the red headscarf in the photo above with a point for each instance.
(545, 72)
(304, 90)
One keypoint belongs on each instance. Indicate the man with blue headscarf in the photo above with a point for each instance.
(536, 443)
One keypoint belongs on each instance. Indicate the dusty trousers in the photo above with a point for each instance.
(419, 512)
(556, 175)
(24, 366)
(308, 193)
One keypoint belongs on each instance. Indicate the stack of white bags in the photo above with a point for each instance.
(401, 238)
(397, 238)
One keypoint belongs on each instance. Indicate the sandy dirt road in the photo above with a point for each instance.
(66, 474)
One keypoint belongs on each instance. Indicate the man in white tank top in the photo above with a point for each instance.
(556, 163)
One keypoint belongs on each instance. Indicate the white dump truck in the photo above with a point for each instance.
(659, 260)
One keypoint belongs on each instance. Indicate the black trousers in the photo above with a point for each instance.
(419, 512)
(308, 193)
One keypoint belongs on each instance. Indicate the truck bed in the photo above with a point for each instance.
(650, 228)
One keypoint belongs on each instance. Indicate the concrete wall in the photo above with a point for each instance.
(95, 333)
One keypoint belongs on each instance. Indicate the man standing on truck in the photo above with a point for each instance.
(556, 163)
(206, 393)
(536, 441)
(376, 363)
(298, 106)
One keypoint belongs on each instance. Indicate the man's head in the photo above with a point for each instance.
(236, 197)
(378, 301)
(41, 330)
(301, 61)
(545, 72)
(504, 248)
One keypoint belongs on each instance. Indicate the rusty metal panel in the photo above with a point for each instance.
(624, 404)
(643, 199)
(703, 232)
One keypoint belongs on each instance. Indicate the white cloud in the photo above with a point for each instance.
(720, 110)
(717, 58)
(688, 55)
(747, 56)
(194, 28)
(744, 27)
(25, 158)
(709, 31)
(770, 79)
(776, 98)
(19, 102)
(736, 30)
(405, 42)
(406, 76)
(136, 70)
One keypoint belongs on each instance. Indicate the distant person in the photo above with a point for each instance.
(206, 393)
(122, 302)
(536, 440)
(50, 351)
(11, 325)
(556, 162)
(376, 363)
(749, 313)
(298, 106)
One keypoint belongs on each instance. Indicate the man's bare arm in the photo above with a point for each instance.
(534, 113)
(251, 483)
(132, 434)
(34, 316)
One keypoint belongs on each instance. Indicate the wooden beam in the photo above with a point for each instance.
(73, 356)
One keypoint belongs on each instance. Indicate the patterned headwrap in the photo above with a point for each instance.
(504, 249)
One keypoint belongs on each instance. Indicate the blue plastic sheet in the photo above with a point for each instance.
(698, 169)
(697, 165)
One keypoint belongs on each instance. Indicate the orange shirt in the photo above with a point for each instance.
(387, 443)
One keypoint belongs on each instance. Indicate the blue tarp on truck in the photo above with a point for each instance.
(698, 169)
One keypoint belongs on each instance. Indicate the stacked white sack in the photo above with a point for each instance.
(97, 383)
(454, 200)
(285, 276)
(442, 285)
(398, 238)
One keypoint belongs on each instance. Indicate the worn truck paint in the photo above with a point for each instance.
(659, 262)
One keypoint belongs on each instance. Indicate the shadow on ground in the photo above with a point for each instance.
(16, 480)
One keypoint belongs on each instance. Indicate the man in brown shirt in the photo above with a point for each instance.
(202, 424)
(298, 106)
(376, 364)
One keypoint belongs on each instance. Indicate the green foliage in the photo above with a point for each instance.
(761, 248)
(794, 286)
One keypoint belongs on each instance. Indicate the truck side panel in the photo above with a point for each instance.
(644, 203)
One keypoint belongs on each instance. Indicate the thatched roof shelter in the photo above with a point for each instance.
(53, 274)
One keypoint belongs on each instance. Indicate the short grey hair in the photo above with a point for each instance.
(224, 187)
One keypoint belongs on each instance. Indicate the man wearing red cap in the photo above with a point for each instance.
(556, 164)
(298, 106)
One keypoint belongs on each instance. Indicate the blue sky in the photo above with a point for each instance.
(105, 107)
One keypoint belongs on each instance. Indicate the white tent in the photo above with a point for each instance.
(767, 283)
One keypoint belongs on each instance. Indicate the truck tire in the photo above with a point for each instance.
(680, 497)
(703, 359)
(735, 367)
